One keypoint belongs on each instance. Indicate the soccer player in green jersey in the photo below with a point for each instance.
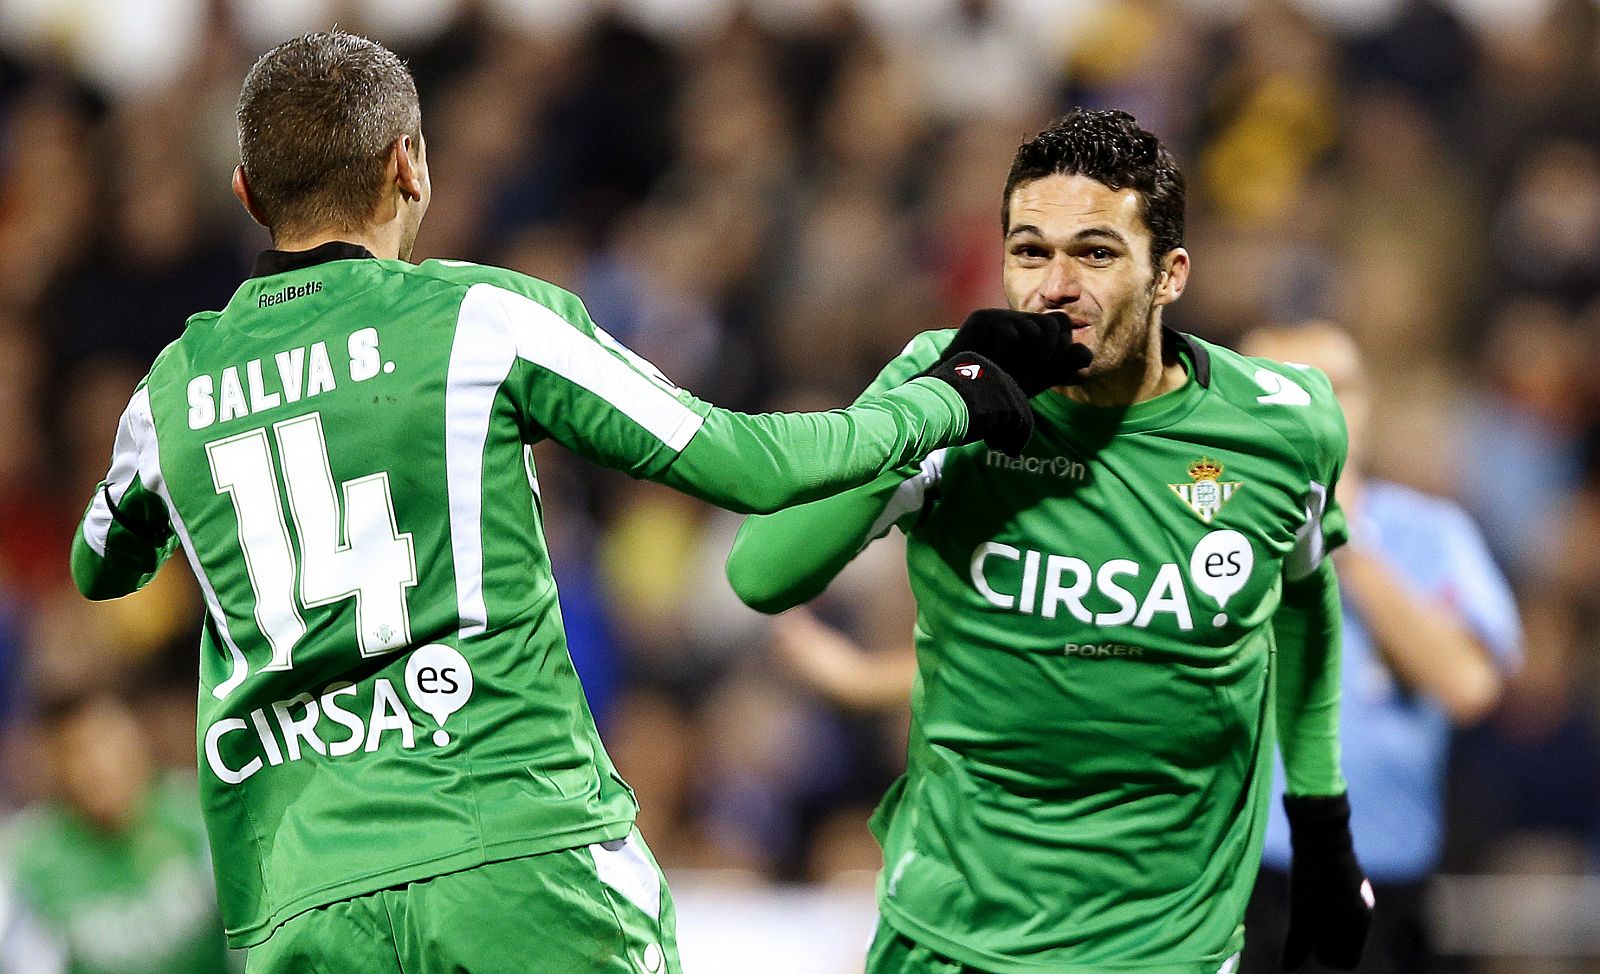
(110, 876)
(1113, 628)
(398, 769)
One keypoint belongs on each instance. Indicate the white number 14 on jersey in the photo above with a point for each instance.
(369, 559)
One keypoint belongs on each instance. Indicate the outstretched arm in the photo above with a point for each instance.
(767, 462)
(574, 383)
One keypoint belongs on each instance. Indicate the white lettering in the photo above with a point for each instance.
(364, 359)
(319, 376)
(388, 713)
(302, 729)
(260, 398)
(978, 557)
(233, 405)
(268, 742)
(1071, 596)
(1167, 594)
(290, 364)
(1030, 581)
(214, 754)
(331, 707)
(1106, 581)
(202, 408)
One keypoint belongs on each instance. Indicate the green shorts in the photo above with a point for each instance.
(599, 909)
(892, 952)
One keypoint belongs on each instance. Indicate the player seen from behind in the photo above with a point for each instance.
(397, 765)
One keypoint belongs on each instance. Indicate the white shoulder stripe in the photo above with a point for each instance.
(1309, 544)
(548, 340)
(910, 495)
(481, 357)
(150, 476)
(133, 430)
(494, 328)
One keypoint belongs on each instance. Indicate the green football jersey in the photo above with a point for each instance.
(343, 452)
(1091, 748)
(134, 902)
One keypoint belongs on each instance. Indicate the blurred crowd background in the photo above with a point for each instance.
(767, 199)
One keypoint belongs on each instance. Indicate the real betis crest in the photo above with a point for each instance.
(1208, 492)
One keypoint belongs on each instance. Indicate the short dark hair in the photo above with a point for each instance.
(317, 116)
(1108, 147)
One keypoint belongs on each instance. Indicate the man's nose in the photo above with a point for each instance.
(1061, 285)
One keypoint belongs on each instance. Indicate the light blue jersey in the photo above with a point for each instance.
(1396, 741)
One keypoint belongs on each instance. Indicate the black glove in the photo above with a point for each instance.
(997, 410)
(1036, 349)
(1330, 899)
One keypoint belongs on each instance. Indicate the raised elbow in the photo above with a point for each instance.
(762, 575)
(761, 591)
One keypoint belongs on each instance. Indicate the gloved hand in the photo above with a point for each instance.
(997, 410)
(1330, 898)
(1036, 349)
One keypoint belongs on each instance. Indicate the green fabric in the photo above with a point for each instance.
(344, 452)
(767, 462)
(892, 952)
(550, 913)
(135, 902)
(1090, 756)
(1306, 630)
(782, 559)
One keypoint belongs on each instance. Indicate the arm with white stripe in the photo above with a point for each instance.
(769, 462)
(584, 390)
(125, 535)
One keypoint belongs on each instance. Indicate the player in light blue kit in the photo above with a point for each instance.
(1430, 630)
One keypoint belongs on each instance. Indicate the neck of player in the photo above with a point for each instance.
(382, 240)
(1146, 374)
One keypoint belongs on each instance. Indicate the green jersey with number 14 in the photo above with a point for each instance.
(343, 453)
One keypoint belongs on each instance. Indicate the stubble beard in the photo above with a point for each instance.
(1127, 353)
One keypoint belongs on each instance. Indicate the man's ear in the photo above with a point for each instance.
(1172, 276)
(241, 189)
(407, 170)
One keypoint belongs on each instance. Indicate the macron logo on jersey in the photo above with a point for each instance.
(1066, 468)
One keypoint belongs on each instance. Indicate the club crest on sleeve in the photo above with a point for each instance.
(1207, 491)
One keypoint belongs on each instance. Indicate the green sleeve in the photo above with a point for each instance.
(767, 462)
(781, 560)
(125, 535)
(1306, 632)
(136, 543)
(572, 382)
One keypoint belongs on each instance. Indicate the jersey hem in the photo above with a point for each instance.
(915, 931)
(477, 855)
